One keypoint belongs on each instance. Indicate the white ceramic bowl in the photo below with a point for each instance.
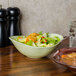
(31, 51)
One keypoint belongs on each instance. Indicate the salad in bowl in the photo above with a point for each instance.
(36, 45)
(40, 40)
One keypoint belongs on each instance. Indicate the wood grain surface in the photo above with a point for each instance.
(13, 63)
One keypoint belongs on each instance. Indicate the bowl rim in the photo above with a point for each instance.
(11, 38)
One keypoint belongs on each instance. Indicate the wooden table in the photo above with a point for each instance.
(13, 63)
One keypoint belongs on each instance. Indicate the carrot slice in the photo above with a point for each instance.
(63, 56)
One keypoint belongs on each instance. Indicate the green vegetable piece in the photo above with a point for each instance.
(34, 44)
(47, 34)
(38, 37)
(29, 43)
(44, 40)
(57, 39)
(50, 40)
(40, 33)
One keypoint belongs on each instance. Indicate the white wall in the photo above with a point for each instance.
(45, 15)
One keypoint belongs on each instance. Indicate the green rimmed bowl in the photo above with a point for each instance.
(31, 51)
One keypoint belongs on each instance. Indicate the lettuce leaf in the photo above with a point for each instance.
(29, 43)
(40, 33)
(46, 34)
